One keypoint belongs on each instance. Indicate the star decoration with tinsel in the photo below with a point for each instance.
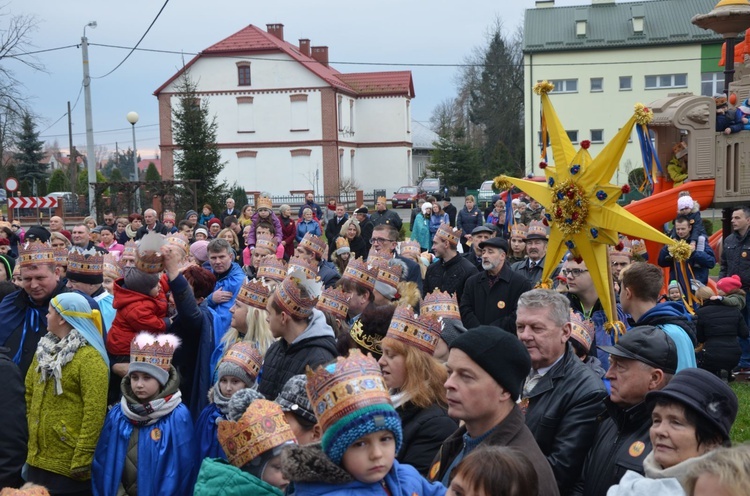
(581, 202)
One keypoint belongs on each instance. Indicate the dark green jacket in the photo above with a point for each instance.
(219, 478)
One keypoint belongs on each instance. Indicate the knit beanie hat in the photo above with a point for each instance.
(350, 400)
(452, 329)
(240, 401)
(293, 398)
(243, 361)
(727, 284)
(499, 353)
(675, 284)
(139, 281)
(189, 213)
(201, 230)
(684, 202)
(199, 250)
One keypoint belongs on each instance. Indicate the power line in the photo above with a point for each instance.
(80, 90)
(95, 132)
(136, 45)
(44, 50)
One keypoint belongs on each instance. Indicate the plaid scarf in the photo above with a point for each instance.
(143, 414)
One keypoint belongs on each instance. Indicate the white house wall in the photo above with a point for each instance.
(381, 119)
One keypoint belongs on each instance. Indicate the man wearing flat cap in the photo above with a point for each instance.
(486, 369)
(365, 224)
(643, 360)
(474, 253)
(490, 297)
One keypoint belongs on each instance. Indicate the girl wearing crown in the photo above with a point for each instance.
(146, 445)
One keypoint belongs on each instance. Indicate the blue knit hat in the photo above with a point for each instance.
(362, 404)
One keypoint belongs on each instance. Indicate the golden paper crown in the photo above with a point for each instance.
(440, 305)
(148, 257)
(361, 272)
(389, 274)
(345, 386)
(625, 247)
(272, 268)
(537, 230)
(264, 202)
(246, 356)
(335, 302)
(254, 293)
(341, 242)
(519, 231)
(314, 243)
(129, 249)
(299, 263)
(112, 267)
(261, 428)
(61, 256)
(370, 342)
(156, 350)
(179, 240)
(422, 332)
(411, 247)
(289, 297)
(267, 242)
(582, 330)
(448, 233)
(84, 264)
(374, 258)
(36, 253)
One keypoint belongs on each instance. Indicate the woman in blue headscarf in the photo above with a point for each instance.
(66, 396)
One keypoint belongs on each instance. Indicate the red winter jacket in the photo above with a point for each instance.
(136, 312)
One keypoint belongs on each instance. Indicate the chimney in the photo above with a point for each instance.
(320, 53)
(276, 29)
(304, 46)
(544, 4)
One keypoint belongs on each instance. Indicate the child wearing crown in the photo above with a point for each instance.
(361, 436)
(264, 213)
(237, 370)
(146, 445)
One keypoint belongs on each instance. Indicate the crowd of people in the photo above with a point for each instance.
(256, 353)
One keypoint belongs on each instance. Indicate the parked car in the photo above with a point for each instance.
(3, 196)
(406, 196)
(486, 191)
(432, 186)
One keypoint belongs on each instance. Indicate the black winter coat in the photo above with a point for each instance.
(496, 306)
(451, 210)
(621, 443)
(158, 227)
(468, 220)
(333, 230)
(732, 261)
(424, 430)
(449, 276)
(15, 436)
(718, 327)
(562, 415)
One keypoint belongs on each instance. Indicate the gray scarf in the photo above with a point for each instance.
(53, 353)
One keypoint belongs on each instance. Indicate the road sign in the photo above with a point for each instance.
(32, 202)
(11, 184)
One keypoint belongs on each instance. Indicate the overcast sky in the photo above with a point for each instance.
(388, 31)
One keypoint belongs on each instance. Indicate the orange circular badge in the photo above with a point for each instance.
(636, 449)
(155, 434)
(744, 254)
(500, 305)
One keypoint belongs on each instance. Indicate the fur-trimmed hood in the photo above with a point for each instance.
(310, 464)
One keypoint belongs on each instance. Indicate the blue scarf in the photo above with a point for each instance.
(12, 314)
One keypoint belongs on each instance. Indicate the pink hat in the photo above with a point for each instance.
(199, 250)
(727, 284)
(685, 202)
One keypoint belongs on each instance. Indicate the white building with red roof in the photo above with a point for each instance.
(284, 115)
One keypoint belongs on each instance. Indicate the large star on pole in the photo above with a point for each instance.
(581, 202)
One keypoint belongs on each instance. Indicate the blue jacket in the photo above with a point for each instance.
(232, 281)
(599, 318)
(304, 227)
(206, 439)
(673, 318)
(701, 260)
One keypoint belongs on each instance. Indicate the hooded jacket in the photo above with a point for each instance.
(15, 438)
(673, 318)
(424, 430)
(316, 345)
(136, 312)
(718, 328)
(219, 478)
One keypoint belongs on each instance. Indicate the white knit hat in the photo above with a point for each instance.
(685, 202)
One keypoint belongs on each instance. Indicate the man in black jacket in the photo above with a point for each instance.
(333, 228)
(450, 209)
(562, 396)
(150, 223)
(383, 216)
(15, 436)
(365, 224)
(734, 262)
(451, 271)
(490, 297)
(644, 359)
(474, 253)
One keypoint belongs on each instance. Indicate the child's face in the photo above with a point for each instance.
(272, 473)
(169, 224)
(263, 213)
(685, 211)
(144, 386)
(109, 284)
(200, 236)
(460, 487)
(228, 385)
(674, 294)
(370, 457)
(206, 211)
(304, 436)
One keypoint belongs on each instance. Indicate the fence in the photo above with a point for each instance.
(297, 200)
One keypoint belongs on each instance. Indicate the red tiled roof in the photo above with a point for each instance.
(143, 164)
(66, 160)
(380, 83)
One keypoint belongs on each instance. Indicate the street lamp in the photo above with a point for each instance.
(132, 118)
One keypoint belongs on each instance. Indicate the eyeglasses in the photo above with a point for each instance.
(573, 272)
(379, 240)
(620, 264)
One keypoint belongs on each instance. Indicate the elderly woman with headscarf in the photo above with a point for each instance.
(66, 396)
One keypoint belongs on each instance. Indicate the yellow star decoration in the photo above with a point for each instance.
(581, 202)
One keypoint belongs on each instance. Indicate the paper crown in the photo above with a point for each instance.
(299, 263)
(422, 332)
(625, 247)
(389, 274)
(111, 267)
(261, 428)
(361, 272)
(61, 256)
(440, 305)
(335, 302)
(410, 247)
(289, 295)
(345, 386)
(382, 199)
(179, 240)
(448, 233)
(246, 356)
(148, 255)
(254, 293)
(639, 247)
(537, 230)
(156, 350)
(374, 257)
(342, 245)
(264, 202)
(272, 268)
(169, 216)
(266, 241)
(129, 249)
(519, 231)
(582, 330)
(314, 243)
(370, 342)
(85, 267)
(36, 253)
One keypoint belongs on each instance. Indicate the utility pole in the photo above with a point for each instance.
(91, 160)
(73, 159)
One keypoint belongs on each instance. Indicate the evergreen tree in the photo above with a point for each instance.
(197, 156)
(115, 175)
(30, 154)
(58, 181)
(456, 160)
(240, 197)
(152, 174)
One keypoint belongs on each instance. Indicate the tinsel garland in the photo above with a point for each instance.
(570, 207)
(543, 87)
(680, 251)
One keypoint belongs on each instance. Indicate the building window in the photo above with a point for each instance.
(341, 162)
(626, 83)
(597, 136)
(245, 115)
(340, 113)
(351, 166)
(408, 116)
(712, 83)
(351, 117)
(299, 112)
(666, 81)
(573, 136)
(243, 74)
(565, 85)
(597, 84)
